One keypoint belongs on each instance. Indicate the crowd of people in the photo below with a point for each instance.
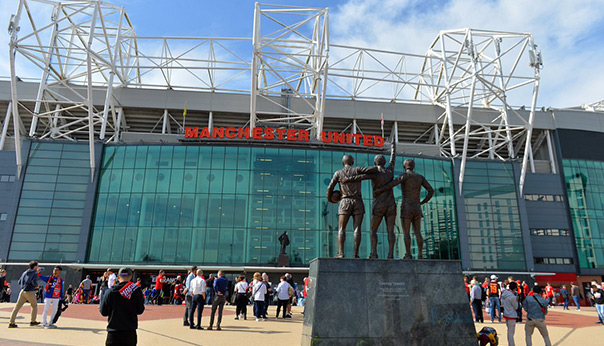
(122, 300)
(505, 300)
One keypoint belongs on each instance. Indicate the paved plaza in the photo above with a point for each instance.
(83, 325)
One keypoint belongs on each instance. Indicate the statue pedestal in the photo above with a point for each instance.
(283, 260)
(387, 302)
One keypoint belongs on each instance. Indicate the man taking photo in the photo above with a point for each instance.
(122, 303)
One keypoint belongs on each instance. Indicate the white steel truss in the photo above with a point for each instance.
(469, 69)
(90, 48)
(291, 47)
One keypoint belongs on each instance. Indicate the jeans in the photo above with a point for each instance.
(157, 296)
(550, 301)
(26, 296)
(267, 302)
(511, 324)
(209, 296)
(121, 338)
(477, 307)
(529, 328)
(259, 311)
(576, 299)
(197, 302)
(282, 303)
(188, 301)
(600, 310)
(495, 303)
(103, 290)
(566, 301)
(217, 304)
(50, 305)
(85, 296)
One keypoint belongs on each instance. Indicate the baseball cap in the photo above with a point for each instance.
(125, 271)
(494, 277)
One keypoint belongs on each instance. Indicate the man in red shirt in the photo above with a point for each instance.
(465, 282)
(549, 291)
(159, 286)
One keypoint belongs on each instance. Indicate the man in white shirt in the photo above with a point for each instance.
(188, 297)
(112, 278)
(283, 295)
(258, 292)
(198, 294)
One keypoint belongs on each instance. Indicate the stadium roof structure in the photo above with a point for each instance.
(88, 54)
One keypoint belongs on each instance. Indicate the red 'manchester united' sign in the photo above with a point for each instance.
(269, 133)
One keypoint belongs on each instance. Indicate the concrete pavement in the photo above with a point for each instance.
(162, 325)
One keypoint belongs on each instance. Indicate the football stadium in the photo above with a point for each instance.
(163, 152)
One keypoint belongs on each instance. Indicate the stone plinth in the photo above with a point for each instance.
(283, 260)
(387, 302)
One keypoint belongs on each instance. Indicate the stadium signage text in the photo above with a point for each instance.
(269, 133)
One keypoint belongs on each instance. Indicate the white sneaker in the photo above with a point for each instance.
(264, 319)
(257, 320)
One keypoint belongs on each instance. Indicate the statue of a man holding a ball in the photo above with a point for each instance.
(351, 201)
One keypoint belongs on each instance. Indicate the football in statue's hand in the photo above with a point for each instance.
(335, 197)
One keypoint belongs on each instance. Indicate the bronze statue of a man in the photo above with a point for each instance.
(351, 203)
(284, 240)
(384, 205)
(411, 210)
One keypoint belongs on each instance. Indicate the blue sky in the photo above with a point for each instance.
(570, 34)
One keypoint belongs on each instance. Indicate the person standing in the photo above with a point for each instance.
(509, 301)
(3, 285)
(259, 292)
(198, 298)
(536, 309)
(241, 298)
(104, 286)
(122, 304)
(111, 278)
(54, 291)
(210, 289)
(268, 297)
(292, 284)
(576, 293)
(221, 286)
(178, 291)
(476, 301)
(85, 284)
(283, 295)
(29, 285)
(565, 296)
(494, 292)
(188, 296)
(159, 286)
(69, 294)
(598, 295)
(549, 292)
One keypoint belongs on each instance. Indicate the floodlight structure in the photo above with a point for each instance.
(594, 107)
(468, 69)
(291, 47)
(86, 44)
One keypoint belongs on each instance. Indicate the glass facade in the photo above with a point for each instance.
(495, 233)
(227, 205)
(585, 188)
(49, 216)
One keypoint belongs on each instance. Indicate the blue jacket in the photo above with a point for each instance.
(29, 280)
(55, 288)
(533, 310)
(221, 284)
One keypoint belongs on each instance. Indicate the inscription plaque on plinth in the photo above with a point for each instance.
(387, 302)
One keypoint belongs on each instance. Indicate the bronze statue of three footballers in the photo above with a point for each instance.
(384, 205)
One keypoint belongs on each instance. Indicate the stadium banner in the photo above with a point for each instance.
(269, 133)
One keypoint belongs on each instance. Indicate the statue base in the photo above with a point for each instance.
(387, 302)
(283, 260)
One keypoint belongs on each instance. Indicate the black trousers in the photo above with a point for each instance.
(121, 338)
(218, 303)
(282, 303)
(241, 301)
(477, 307)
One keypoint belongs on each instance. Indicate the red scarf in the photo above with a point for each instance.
(128, 289)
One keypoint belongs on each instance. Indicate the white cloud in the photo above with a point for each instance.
(569, 33)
